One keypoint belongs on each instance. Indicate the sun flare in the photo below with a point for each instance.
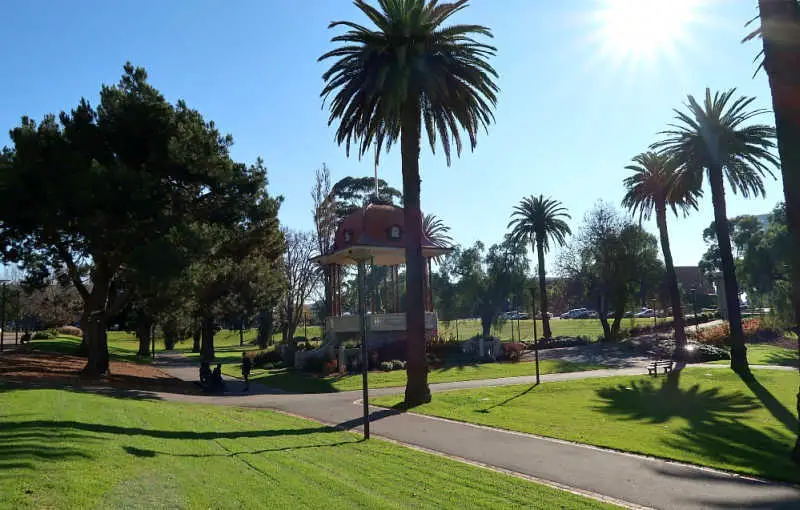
(646, 30)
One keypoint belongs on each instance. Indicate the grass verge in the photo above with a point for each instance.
(711, 417)
(299, 382)
(70, 450)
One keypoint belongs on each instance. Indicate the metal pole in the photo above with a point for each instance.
(457, 337)
(153, 341)
(3, 318)
(535, 335)
(533, 306)
(694, 307)
(16, 319)
(362, 312)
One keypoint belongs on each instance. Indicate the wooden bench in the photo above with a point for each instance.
(665, 365)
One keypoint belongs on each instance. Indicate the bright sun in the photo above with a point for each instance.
(636, 30)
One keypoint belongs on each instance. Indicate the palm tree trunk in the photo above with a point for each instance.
(780, 24)
(543, 289)
(672, 282)
(417, 391)
(738, 349)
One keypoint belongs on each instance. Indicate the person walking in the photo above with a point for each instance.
(246, 366)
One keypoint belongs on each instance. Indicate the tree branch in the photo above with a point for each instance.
(72, 270)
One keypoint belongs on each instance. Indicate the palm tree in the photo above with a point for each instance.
(540, 220)
(435, 230)
(712, 137)
(384, 85)
(779, 29)
(659, 183)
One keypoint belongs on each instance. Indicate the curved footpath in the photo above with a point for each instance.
(626, 479)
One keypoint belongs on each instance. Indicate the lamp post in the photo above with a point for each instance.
(3, 314)
(535, 334)
(694, 310)
(362, 315)
(16, 319)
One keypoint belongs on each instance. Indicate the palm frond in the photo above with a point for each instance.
(712, 136)
(409, 59)
(540, 220)
(659, 180)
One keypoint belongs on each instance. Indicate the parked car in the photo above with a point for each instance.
(591, 314)
(576, 313)
(645, 313)
(539, 315)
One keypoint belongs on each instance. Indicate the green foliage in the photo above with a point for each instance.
(410, 65)
(264, 357)
(140, 184)
(540, 220)
(352, 193)
(614, 260)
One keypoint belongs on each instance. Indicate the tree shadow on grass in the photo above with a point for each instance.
(27, 447)
(68, 425)
(145, 453)
(772, 404)
(787, 359)
(714, 430)
(509, 399)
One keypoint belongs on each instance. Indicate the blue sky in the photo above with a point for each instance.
(572, 111)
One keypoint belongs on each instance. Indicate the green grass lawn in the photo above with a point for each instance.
(561, 327)
(711, 418)
(60, 449)
(122, 346)
(764, 354)
(300, 382)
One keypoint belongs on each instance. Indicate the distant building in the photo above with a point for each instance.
(690, 277)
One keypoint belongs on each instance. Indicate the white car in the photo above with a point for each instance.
(576, 313)
(648, 313)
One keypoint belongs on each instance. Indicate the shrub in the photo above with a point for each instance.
(70, 330)
(512, 351)
(563, 341)
(398, 365)
(43, 335)
(261, 358)
(386, 366)
(300, 339)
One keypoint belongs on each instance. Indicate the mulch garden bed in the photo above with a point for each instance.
(56, 370)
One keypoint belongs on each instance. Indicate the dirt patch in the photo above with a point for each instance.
(48, 369)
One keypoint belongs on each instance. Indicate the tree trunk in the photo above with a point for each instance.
(672, 283)
(170, 334)
(143, 327)
(207, 339)
(264, 328)
(196, 339)
(96, 341)
(97, 362)
(543, 289)
(84, 346)
(486, 324)
(417, 390)
(738, 349)
(608, 334)
(780, 24)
